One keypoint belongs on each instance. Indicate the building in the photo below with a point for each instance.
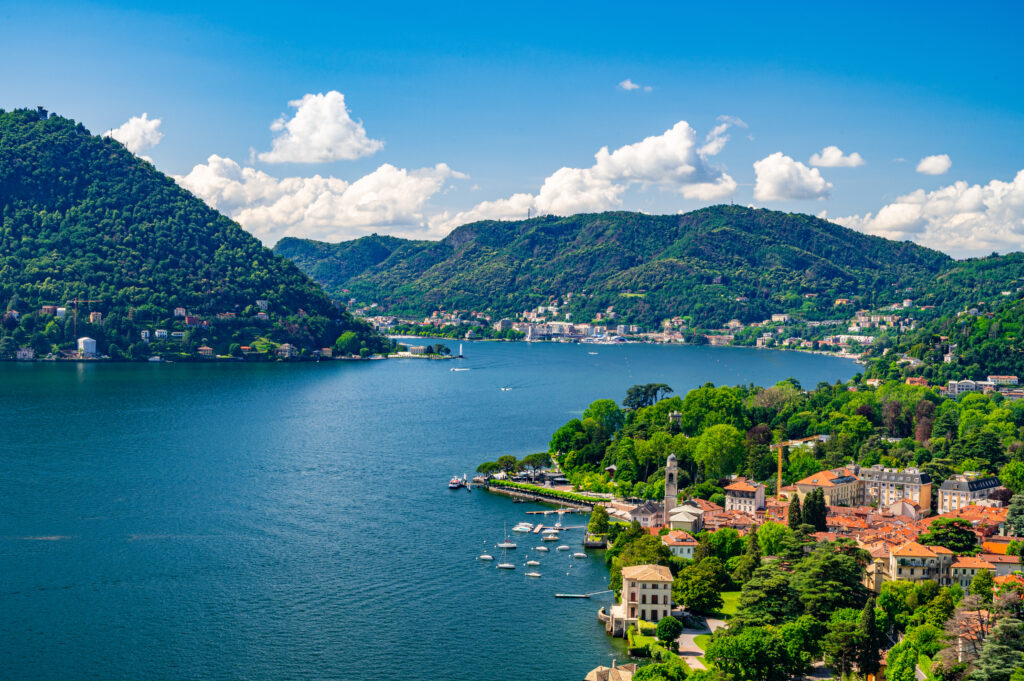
(646, 595)
(1002, 380)
(840, 486)
(913, 562)
(964, 569)
(614, 673)
(744, 495)
(160, 333)
(95, 317)
(687, 517)
(191, 320)
(917, 380)
(327, 352)
(287, 351)
(671, 486)
(205, 351)
(144, 335)
(25, 354)
(885, 486)
(954, 388)
(964, 490)
(48, 309)
(86, 347)
(180, 312)
(680, 543)
(417, 349)
(780, 318)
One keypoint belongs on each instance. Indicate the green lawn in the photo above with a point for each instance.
(730, 604)
(702, 641)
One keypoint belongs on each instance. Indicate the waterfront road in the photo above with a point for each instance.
(688, 648)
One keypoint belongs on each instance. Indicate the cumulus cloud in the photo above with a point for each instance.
(960, 219)
(321, 131)
(780, 178)
(138, 133)
(832, 157)
(673, 161)
(934, 165)
(628, 85)
(319, 207)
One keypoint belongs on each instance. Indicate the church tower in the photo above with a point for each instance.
(671, 485)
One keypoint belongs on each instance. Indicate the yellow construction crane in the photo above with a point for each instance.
(76, 301)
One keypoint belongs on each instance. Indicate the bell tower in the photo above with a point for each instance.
(671, 485)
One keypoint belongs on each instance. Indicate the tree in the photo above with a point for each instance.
(1012, 476)
(725, 543)
(598, 520)
(952, 533)
(669, 629)
(607, 413)
(347, 343)
(901, 662)
(488, 468)
(767, 598)
(1015, 514)
(749, 561)
(537, 461)
(830, 578)
(673, 670)
(770, 536)
(698, 587)
(843, 640)
(982, 586)
(753, 654)
(815, 512)
(795, 514)
(640, 396)
(868, 651)
(1002, 654)
(508, 463)
(720, 451)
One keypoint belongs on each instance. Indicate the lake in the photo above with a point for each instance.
(272, 521)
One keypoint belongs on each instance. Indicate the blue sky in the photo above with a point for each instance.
(505, 97)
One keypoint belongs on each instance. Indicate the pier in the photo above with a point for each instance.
(592, 593)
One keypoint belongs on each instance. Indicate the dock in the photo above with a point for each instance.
(592, 593)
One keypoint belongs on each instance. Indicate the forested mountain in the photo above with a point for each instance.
(85, 219)
(712, 264)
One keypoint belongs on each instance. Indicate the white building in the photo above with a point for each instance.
(744, 495)
(680, 543)
(962, 490)
(86, 347)
(646, 595)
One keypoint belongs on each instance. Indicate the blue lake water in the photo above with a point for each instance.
(230, 521)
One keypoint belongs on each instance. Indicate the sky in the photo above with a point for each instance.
(904, 120)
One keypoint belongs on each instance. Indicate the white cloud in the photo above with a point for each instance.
(934, 165)
(138, 133)
(391, 199)
(832, 157)
(629, 85)
(960, 219)
(671, 162)
(320, 131)
(780, 178)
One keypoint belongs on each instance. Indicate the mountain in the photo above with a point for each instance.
(84, 218)
(713, 264)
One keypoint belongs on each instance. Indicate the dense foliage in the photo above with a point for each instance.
(712, 265)
(83, 218)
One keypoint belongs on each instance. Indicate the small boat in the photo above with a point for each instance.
(551, 537)
(563, 547)
(550, 531)
(485, 556)
(522, 528)
(579, 554)
(533, 574)
(542, 548)
(506, 389)
(456, 482)
(507, 545)
(460, 369)
(506, 566)
(533, 562)
(591, 353)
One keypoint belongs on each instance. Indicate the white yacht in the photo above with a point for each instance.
(551, 537)
(563, 547)
(533, 562)
(579, 554)
(533, 574)
(542, 548)
(485, 556)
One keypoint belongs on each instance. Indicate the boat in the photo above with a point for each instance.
(506, 566)
(506, 544)
(533, 562)
(563, 547)
(522, 528)
(542, 548)
(551, 537)
(579, 554)
(533, 574)
(456, 482)
(485, 556)
(506, 389)
(550, 530)
(591, 353)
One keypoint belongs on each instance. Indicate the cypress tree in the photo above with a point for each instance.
(815, 511)
(868, 656)
(795, 514)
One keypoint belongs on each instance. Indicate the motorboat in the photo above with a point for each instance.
(579, 554)
(542, 548)
(522, 528)
(550, 530)
(533, 562)
(550, 537)
(563, 547)
(485, 556)
(506, 566)
(533, 574)
(456, 482)
(507, 544)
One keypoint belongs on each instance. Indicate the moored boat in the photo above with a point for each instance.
(533, 574)
(563, 547)
(579, 554)
(485, 556)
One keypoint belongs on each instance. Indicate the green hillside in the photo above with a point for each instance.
(84, 218)
(713, 264)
